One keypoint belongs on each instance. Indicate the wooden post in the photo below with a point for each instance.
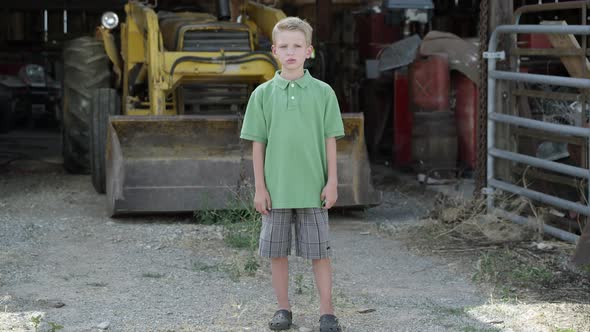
(582, 254)
(501, 12)
(323, 21)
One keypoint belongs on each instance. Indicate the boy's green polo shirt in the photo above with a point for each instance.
(293, 119)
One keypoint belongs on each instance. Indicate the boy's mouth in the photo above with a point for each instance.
(291, 60)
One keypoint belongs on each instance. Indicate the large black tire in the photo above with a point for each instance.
(6, 119)
(86, 68)
(105, 102)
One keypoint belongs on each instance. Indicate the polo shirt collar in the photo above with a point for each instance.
(283, 83)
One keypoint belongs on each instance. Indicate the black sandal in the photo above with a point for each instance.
(281, 320)
(329, 323)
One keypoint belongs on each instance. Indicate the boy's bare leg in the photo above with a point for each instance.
(322, 269)
(280, 281)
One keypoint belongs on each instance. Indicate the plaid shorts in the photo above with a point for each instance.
(311, 233)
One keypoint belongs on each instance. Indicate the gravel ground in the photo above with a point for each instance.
(63, 259)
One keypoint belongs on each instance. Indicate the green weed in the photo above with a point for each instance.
(251, 265)
(233, 270)
(241, 230)
(204, 267)
(477, 329)
(36, 320)
(505, 268)
(152, 275)
(54, 327)
(299, 283)
(241, 222)
(532, 274)
(486, 267)
(452, 311)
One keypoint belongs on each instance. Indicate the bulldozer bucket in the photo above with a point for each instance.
(355, 187)
(197, 162)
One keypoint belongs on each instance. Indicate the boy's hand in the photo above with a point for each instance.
(329, 195)
(262, 201)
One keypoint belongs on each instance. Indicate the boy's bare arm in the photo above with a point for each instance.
(258, 151)
(261, 197)
(330, 192)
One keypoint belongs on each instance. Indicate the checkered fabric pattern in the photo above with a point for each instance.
(311, 233)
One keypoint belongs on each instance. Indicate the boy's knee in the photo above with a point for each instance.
(321, 260)
(278, 259)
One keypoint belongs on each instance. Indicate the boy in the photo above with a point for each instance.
(294, 121)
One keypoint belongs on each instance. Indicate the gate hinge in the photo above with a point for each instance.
(494, 55)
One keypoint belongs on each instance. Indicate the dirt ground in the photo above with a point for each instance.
(64, 263)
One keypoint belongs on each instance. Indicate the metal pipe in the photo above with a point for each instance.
(45, 26)
(491, 124)
(547, 52)
(542, 163)
(65, 22)
(548, 6)
(585, 97)
(533, 28)
(584, 5)
(582, 83)
(538, 196)
(544, 79)
(535, 124)
(223, 10)
(553, 231)
(565, 96)
(559, 29)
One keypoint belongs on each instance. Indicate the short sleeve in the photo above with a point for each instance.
(254, 126)
(333, 126)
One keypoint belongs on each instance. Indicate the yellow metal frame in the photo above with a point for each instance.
(112, 52)
(265, 17)
(142, 46)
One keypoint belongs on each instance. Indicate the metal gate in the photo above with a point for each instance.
(494, 117)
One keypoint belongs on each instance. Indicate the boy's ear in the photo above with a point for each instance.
(274, 50)
(309, 51)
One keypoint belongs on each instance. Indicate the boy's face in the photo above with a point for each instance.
(291, 49)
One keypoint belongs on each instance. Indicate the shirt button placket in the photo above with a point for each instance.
(292, 104)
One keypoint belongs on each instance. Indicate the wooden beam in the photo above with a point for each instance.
(501, 13)
(582, 253)
(576, 66)
(299, 3)
(323, 21)
(90, 5)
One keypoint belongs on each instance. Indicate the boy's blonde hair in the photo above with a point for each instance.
(293, 24)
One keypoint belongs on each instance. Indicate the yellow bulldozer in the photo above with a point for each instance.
(154, 114)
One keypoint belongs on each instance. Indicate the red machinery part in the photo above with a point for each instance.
(466, 119)
(429, 79)
(434, 141)
(402, 121)
(533, 40)
(373, 34)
